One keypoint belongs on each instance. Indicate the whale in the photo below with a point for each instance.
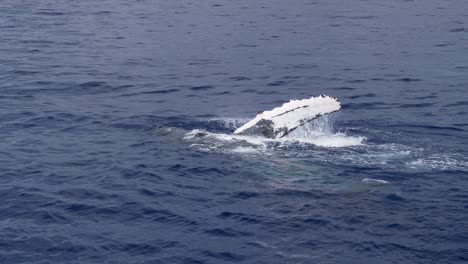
(282, 120)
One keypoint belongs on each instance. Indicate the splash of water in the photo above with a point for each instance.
(320, 132)
(323, 125)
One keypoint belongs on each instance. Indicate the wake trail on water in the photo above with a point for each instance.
(317, 141)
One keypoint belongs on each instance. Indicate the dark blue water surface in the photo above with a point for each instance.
(99, 100)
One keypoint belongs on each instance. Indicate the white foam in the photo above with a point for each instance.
(318, 132)
(338, 140)
(374, 181)
(440, 162)
(244, 150)
(252, 144)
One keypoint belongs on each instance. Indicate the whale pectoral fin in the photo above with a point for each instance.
(281, 121)
(263, 127)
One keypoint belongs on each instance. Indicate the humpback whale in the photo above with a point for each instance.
(281, 121)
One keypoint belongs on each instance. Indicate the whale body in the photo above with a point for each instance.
(281, 121)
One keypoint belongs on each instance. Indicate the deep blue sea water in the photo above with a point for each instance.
(99, 100)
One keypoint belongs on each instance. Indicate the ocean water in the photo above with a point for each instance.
(101, 103)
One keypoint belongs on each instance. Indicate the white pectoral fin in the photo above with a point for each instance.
(280, 121)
